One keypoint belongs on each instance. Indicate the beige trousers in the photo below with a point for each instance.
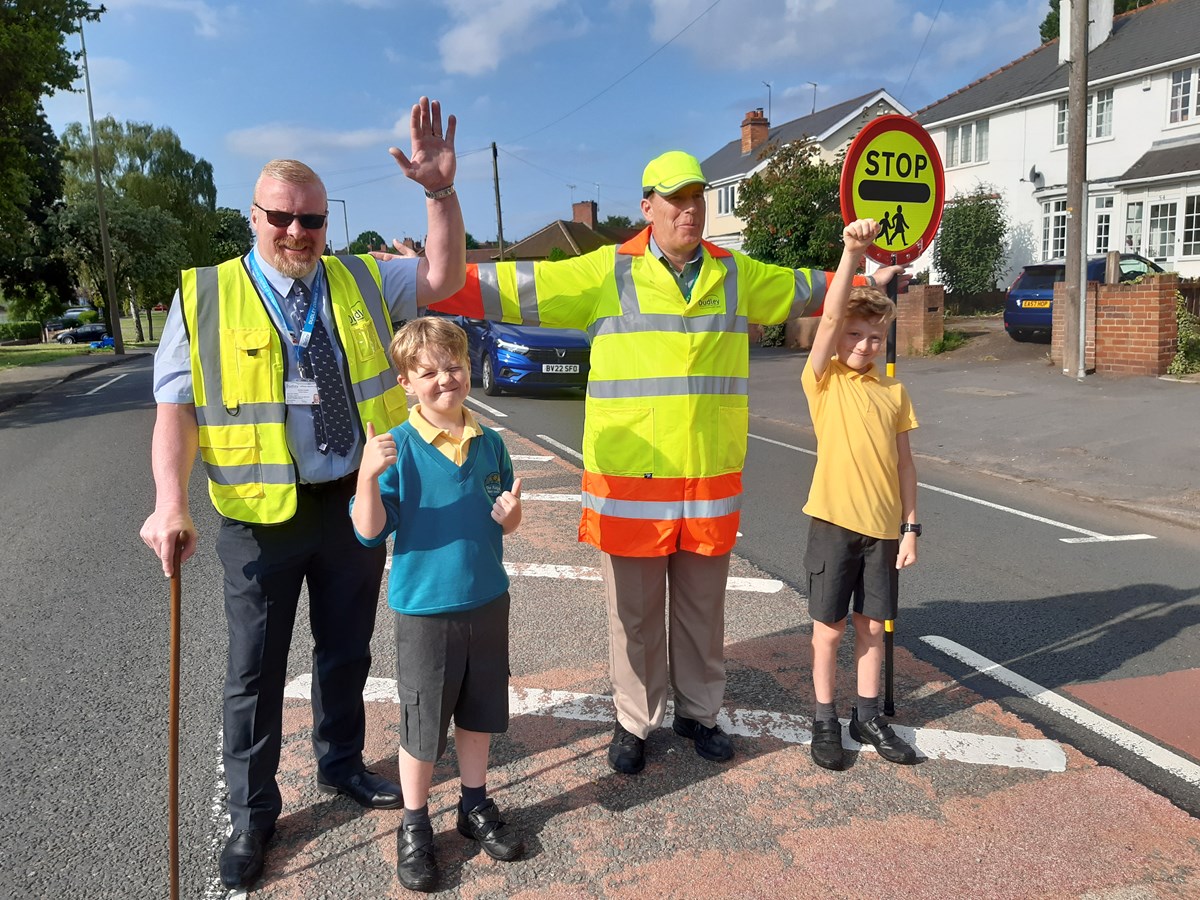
(640, 645)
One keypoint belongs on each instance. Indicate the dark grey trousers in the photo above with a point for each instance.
(265, 567)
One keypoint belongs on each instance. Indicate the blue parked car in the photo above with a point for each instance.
(518, 358)
(1028, 307)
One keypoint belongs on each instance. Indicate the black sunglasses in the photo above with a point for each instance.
(280, 219)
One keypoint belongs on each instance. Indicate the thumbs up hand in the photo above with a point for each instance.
(379, 454)
(507, 508)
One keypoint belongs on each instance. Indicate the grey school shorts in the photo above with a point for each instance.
(845, 566)
(451, 665)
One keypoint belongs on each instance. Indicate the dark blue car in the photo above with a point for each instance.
(520, 358)
(1029, 306)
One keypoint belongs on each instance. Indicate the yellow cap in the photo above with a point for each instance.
(668, 173)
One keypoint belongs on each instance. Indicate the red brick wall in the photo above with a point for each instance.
(919, 319)
(1131, 328)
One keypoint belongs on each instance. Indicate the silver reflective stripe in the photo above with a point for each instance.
(371, 295)
(215, 414)
(636, 323)
(685, 385)
(731, 285)
(527, 294)
(808, 298)
(626, 289)
(489, 292)
(208, 337)
(662, 510)
(265, 473)
(373, 386)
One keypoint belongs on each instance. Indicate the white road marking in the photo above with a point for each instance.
(932, 743)
(1091, 537)
(1122, 737)
(103, 386)
(519, 458)
(554, 498)
(563, 447)
(220, 826)
(485, 407)
(589, 573)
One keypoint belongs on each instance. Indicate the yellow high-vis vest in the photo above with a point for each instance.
(667, 411)
(238, 371)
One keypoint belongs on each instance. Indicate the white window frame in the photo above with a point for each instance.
(1162, 225)
(1054, 228)
(1183, 99)
(1099, 118)
(726, 199)
(967, 143)
(1191, 225)
(1102, 239)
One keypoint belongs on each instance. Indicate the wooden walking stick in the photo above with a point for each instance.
(173, 722)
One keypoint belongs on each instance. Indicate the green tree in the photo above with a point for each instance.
(367, 241)
(34, 63)
(971, 249)
(147, 246)
(150, 166)
(232, 235)
(791, 209)
(472, 244)
(1050, 25)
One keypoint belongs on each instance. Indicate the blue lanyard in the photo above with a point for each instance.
(269, 294)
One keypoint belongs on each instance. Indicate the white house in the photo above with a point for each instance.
(1009, 130)
(831, 131)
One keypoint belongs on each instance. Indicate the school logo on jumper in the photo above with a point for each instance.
(493, 486)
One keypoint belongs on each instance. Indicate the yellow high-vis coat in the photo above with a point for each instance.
(238, 373)
(667, 411)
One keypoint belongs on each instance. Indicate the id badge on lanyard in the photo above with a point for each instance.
(300, 391)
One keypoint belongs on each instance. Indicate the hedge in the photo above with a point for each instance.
(20, 331)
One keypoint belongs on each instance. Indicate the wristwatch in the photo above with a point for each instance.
(912, 527)
(441, 193)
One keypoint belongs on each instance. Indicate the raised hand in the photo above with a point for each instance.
(431, 163)
(507, 508)
(379, 454)
(857, 236)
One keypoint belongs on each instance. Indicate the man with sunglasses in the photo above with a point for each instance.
(272, 366)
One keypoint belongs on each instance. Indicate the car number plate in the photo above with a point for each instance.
(1035, 304)
(567, 368)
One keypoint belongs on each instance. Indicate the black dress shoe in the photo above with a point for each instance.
(366, 789)
(879, 734)
(626, 752)
(242, 858)
(498, 839)
(711, 742)
(826, 744)
(416, 866)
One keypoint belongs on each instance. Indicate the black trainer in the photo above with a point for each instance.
(711, 742)
(626, 752)
(416, 865)
(826, 746)
(879, 734)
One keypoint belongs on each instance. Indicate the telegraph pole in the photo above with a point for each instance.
(496, 184)
(1074, 329)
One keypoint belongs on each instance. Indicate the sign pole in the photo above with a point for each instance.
(889, 625)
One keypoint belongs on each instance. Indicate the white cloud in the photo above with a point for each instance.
(484, 34)
(276, 139)
(211, 21)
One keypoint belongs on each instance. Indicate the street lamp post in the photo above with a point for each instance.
(814, 87)
(114, 307)
(345, 219)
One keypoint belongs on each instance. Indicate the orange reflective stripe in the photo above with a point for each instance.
(642, 537)
(661, 490)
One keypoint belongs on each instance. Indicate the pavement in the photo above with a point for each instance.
(995, 809)
(993, 406)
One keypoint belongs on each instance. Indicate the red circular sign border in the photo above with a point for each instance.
(858, 146)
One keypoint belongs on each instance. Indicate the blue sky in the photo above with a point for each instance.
(572, 92)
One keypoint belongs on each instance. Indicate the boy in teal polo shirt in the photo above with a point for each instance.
(443, 484)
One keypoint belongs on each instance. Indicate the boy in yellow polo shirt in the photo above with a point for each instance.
(863, 502)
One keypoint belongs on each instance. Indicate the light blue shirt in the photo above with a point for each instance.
(687, 278)
(173, 361)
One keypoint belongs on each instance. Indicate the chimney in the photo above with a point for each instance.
(584, 212)
(754, 130)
